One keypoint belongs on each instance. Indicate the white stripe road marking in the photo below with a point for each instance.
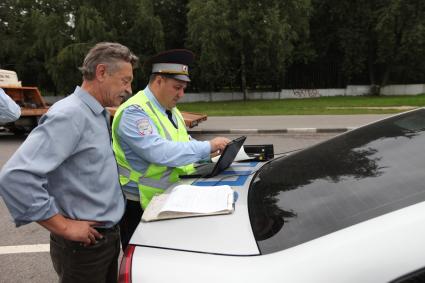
(304, 130)
(24, 249)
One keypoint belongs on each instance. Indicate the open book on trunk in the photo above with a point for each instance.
(188, 201)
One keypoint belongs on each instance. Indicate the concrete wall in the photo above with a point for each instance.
(350, 90)
(357, 90)
(311, 93)
(212, 96)
(403, 89)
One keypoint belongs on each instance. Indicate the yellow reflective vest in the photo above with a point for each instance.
(157, 178)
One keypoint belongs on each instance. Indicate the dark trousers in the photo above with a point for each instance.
(130, 220)
(96, 263)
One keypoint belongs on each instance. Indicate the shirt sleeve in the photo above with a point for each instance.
(9, 110)
(139, 132)
(23, 180)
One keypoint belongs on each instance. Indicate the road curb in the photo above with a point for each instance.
(271, 131)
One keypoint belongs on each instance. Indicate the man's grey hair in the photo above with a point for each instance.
(108, 53)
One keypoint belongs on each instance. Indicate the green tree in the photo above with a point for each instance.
(86, 27)
(129, 22)
(375, 42)
(145, 37)
(172, 14)
(210, 37)
(400, 30)
(33, 31)
(248, 43)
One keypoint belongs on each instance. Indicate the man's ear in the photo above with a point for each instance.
(158, 81)
(101, 72)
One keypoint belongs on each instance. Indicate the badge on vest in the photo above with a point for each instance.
(144, 127)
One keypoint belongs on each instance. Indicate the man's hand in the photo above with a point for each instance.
(74, 230)
(217, 145)
(82, 231)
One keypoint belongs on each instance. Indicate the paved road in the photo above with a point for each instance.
(21, 267)
(278, 123)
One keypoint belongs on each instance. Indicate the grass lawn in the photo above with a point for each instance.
(307, 106)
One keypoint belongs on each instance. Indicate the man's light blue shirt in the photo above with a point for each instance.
(66, 165)
(143, 145)
(9, 110)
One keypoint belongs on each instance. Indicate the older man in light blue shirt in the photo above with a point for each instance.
(65, 177)
(9, 110)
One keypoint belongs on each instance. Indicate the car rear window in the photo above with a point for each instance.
(348, 179)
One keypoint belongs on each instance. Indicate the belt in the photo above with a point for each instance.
(114, 228)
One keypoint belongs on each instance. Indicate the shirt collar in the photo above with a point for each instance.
(152, 98)
(89, 100)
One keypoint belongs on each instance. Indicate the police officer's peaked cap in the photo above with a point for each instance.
(173, 63)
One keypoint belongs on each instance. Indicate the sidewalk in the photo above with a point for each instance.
(285, 124)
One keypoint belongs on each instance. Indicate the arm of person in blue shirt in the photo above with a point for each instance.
(9, 110)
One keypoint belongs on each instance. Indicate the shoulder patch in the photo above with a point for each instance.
(144, 127)
(135, 107)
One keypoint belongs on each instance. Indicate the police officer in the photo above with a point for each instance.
(64, 176)
(9, 110)
(150, 140)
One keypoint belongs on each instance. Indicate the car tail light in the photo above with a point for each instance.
(125, 267)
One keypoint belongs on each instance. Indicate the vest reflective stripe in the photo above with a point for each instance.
(181, 118)
(161, 183)
(156, 178)
(124, 171)
(129, 174)
(167, 134)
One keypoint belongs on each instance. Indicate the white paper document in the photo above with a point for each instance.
(188, 200)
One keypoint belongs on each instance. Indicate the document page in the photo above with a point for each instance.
(199, 199)
(154, 207)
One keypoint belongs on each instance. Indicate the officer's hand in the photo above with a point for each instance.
(81, 231)
(218, 144)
